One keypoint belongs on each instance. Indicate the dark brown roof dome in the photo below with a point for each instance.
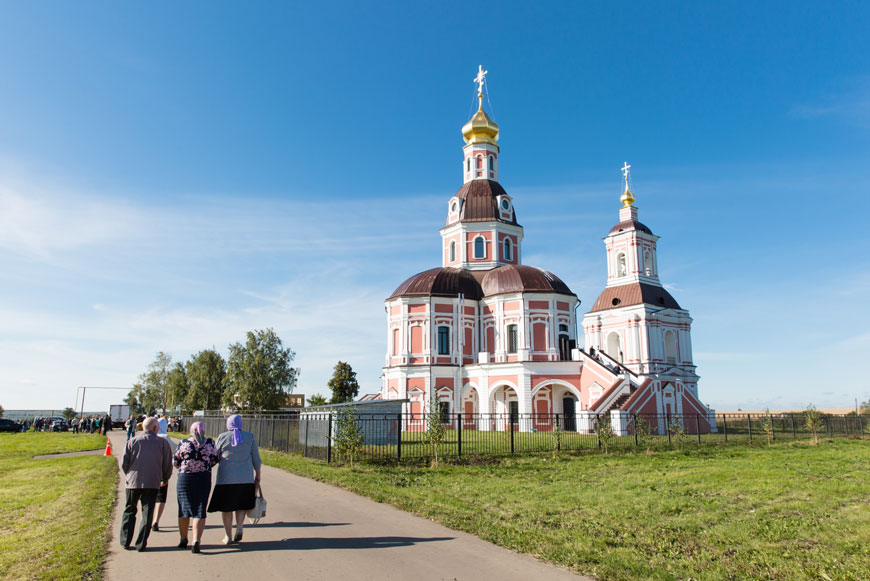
(445, 282)
(480, 202)
(630, 225)
(476, 284)
(520, 278)
(635, 293)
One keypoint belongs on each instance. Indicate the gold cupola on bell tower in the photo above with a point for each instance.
(480, 128)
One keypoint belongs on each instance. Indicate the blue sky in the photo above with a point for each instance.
(172, 176)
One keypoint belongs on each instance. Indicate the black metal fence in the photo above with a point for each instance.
(397, 437)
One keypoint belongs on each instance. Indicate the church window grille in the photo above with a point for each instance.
(508, 254)
(444, 340)
(479, 247)
(512, 339)
(491, 163)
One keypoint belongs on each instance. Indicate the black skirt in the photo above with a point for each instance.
(193, 489)
(230, 497)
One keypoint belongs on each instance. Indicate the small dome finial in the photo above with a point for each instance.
(627, 197)
(480, 128)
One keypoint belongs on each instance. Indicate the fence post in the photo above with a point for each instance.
(793, 432)
(329, 439)
(459, 434)
(272, 435)
(698, 427)
(399, 437)
(511, 422)
(598, 432)
(636, 443)
(668, 426)
(725, 424)
(828, 423)
(749, 421)
(305, 448)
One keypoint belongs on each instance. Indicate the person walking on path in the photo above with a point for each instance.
(238, 474)
(194, 459)
(131, 428)
(147, 464)
(162, 431)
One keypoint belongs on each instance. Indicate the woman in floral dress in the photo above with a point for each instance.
(194, 460)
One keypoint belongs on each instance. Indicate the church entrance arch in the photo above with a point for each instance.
(505, 407)
(470, 407)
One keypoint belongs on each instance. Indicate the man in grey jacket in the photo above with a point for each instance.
(147, 464)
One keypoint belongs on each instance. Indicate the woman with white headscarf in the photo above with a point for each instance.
(194, 459)
(237, 477)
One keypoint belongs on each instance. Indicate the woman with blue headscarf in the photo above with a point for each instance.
(237, 476)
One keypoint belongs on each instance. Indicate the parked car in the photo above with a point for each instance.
(7, 425)
(59, 424)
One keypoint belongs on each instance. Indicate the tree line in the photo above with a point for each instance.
(256, 375)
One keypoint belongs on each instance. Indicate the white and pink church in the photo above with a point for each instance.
(490, 337)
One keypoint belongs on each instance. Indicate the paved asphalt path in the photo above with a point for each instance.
(318, 531)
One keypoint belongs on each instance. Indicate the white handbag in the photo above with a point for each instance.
(259, 510)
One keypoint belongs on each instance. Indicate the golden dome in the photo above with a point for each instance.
(627, 197)
(480, 128)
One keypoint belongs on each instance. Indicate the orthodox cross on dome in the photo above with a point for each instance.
(480, 79)
(626, 171)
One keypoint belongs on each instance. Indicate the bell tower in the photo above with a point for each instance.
(631, 246)
(635, 320)
(481, 232)
(480, 160)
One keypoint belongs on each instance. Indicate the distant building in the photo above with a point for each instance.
(485, 334)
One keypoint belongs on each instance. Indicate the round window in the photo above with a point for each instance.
(615, 302)
(505, 204)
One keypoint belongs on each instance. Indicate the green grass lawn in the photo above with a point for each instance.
(54, 513)
(792, 511)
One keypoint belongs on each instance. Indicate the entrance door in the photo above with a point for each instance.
(569, 424)
(514, 407)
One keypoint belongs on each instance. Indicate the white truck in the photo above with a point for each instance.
(119, 414)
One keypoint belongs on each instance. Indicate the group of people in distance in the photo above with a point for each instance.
(148, 464)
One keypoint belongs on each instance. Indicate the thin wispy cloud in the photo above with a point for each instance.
(850, 105)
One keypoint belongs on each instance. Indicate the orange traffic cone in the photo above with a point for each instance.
(108, 448)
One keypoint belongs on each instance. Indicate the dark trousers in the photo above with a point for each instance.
(148, 497)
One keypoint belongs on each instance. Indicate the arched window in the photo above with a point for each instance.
(443, 340)
(452, 251)
(621, 269)
(479, 247)
(512, 339)
(614, 347)
(468, 164)
(491, 163)
(508, 249)
(395, 341)
(479, 162)
(647, 263)
(670, 347)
